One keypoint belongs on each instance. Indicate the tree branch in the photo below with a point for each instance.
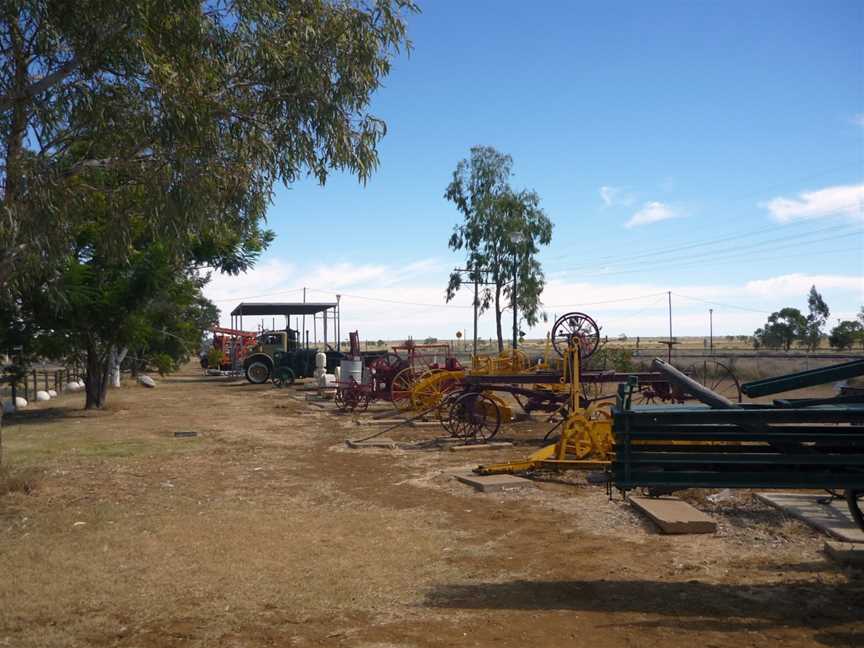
(6, 101)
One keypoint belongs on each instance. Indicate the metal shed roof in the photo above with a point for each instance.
(282, 308)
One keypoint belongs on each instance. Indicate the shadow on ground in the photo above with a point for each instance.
(691, 604)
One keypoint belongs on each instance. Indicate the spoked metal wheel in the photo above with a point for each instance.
(717, 377)
(351, 398)
(474, 417)
(400, 389)
(579, 326)
(854, 499)
(592, 391)
(443, 411)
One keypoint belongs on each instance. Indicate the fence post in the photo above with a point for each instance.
(35, 384)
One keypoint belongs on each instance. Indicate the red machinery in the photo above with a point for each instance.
(393, 374)
(233, 345)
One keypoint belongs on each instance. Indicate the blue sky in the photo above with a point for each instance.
(712, 149)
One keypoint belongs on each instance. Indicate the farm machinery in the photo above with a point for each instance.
(798, 443)
(277, 356)
(393, 376)
(230, 345)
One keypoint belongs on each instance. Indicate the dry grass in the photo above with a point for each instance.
(264, 530)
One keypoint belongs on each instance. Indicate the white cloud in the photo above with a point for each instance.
(372, 304)
(797, 284)
(843, 199)
(858, 119)
(615, 196)
(652, 212)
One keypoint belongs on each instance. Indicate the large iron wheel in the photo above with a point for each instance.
(351, 397)
(474, 417)
(853, 500)
(400, 389)
(443, 411)
(717, 377)
(580, 326)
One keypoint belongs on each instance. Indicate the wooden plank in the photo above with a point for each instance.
(493, 483)
(849, 553)
(832, 517)
(673, 516)
(494, 445)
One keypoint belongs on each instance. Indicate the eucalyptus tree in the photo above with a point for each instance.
(492, 214)
(817, 317)
(224, 96)
(172, 121)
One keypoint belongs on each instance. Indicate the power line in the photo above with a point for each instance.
(836, 213)
(608, 301)
(766, 245)
(390, 301)
(705, 301)
(270, 294)
(727, 256)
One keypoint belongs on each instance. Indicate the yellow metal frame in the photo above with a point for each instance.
(586, 441)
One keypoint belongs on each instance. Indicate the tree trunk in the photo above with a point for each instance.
(498, 319)
(116, 360)
(96, 377)
(15, 128)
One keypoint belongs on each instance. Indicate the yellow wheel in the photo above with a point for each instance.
(431, 387)
(576, 438)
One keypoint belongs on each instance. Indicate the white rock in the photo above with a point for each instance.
(42, 396)
(52, 393)
(81, 384)
(724, 495)
(72, 387)
(147, 381)
(20, 403)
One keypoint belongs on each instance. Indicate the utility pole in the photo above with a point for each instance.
(515, 275)
(669, 294)
(711, 330)
(338, 323)
(477, 277)
(304, 335)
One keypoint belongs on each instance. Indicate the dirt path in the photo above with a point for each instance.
(264, 530)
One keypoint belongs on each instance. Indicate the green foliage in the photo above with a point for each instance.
(142, 140)
(492, 213)
(789, 325)
(782, 329)
(606, 357)
(214, 358)
(846, 334)
(430, 340)
(203, 103)
(816, 319)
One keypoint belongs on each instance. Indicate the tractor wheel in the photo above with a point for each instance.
(258, 372)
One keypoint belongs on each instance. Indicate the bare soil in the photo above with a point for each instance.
(266, 530)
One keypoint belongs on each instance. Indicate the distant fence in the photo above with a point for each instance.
(42, 379)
